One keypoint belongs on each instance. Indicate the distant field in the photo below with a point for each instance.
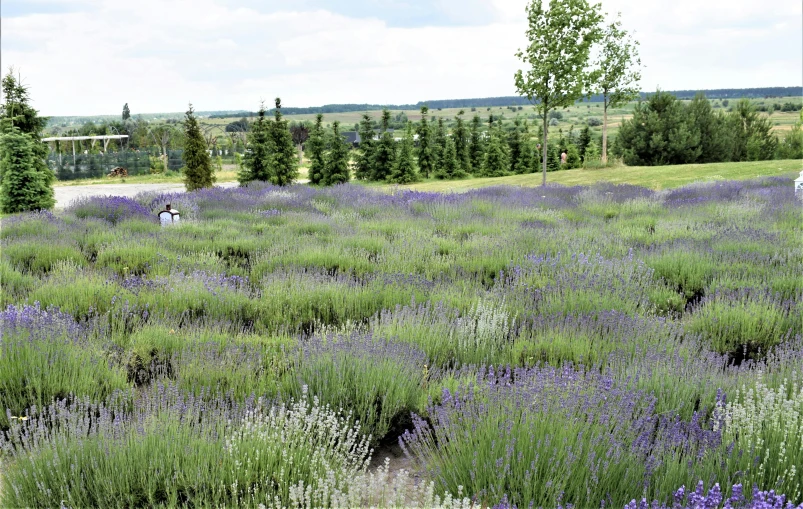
(653, 177)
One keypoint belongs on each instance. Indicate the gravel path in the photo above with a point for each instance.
(66, 194)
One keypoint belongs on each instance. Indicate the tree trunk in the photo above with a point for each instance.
(605, 129)
(300, 153)
(543, 147)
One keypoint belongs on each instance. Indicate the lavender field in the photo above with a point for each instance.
(587, 347)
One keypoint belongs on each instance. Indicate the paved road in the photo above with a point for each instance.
(66, 194)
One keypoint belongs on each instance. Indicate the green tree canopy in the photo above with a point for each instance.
(24, 187)
(316, 145)
(197, 166)
(426, 156)
(336, 169)
(476, 148)
(364, 163)
(462, 141)
(258, 160)
(404, 169)
(557, 57)
(126, 112)
(385, 152)
(450, 168)
(285, 162)
(497, 159)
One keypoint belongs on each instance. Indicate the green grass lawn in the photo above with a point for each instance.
(229, 174)
(653, 177)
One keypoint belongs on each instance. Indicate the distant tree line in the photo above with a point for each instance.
(664, 130)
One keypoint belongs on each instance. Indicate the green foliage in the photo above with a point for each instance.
(462, 144)
(497, 160)
(525, 162)
(449, 168)
(439, 145)
(385, 151)
(336, 167)
(316, 146)
(285, 159)
(476, 148)
(126, 112)
(557, 56)
(791, 147)
(364, 164)
(754, 140)
(426, 154)
(404, 168)
(25, 187)
(198, 172)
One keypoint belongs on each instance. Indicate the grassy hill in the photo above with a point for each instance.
(653, 177)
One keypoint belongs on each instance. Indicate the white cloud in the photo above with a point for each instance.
(157, 55)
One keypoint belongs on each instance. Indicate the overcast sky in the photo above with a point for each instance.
(88, 57)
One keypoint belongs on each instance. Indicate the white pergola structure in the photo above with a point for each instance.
(73, 139)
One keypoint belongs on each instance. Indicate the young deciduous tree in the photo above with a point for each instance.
(385, 152)
(618, 71)
(24, 186)
(316, 147)
(476, 149)
(404, 170)
(197, 166)
(285, 163)
(258, 160)
(426, 157)
(364, 164)
(560, 40)
(336, 169)
(299, 131)
(461, 143)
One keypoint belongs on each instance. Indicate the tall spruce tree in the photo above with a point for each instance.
(316, 145)
(24, 186)
(198, 172)
(259, 157)
(525, 161)
(560, 40)
(285, 162)
(404, 170)
(336, 169)
(439, 143)
(476, 149)
(514, 144)
(16, 112)
(497, 160)
(461, 143)
(385, 153)
(364, 164)
(126, 112)
(450, 167)
(426, 156)
(583, 141)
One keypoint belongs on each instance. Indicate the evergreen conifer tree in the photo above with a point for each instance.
(336, 168)
(316, 146)
(17, 113)
(404, 170)
(258, 160)
(385, 153)
(525, 162)
(285, 162)
(583, 141)
(461, 143)
(24, 187)
(497, 160)
(426, 156)
(450, 168)
(126, 112)
(514, 144)
(439, 143)
(476, 148)
(197, 165)
(364, 167)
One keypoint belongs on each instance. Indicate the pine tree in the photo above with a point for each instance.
(316, 146)
(197, 166)
(285, 161)
(17, 112)
(385, 153)
(126, 112)
(585, 139)
(450, 167)
(525, 162)
(24, 187)
(439, 144)
(258, 160)
(336, 168)
(404, 170)
(497, 161)
(476, 149)
(364, 167)
(514, 144)
(426, 156)
(461, 143)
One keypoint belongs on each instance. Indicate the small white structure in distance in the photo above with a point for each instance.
(169, 216)
(799, 184)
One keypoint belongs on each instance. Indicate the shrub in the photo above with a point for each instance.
(110, 208)
(594, 121)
